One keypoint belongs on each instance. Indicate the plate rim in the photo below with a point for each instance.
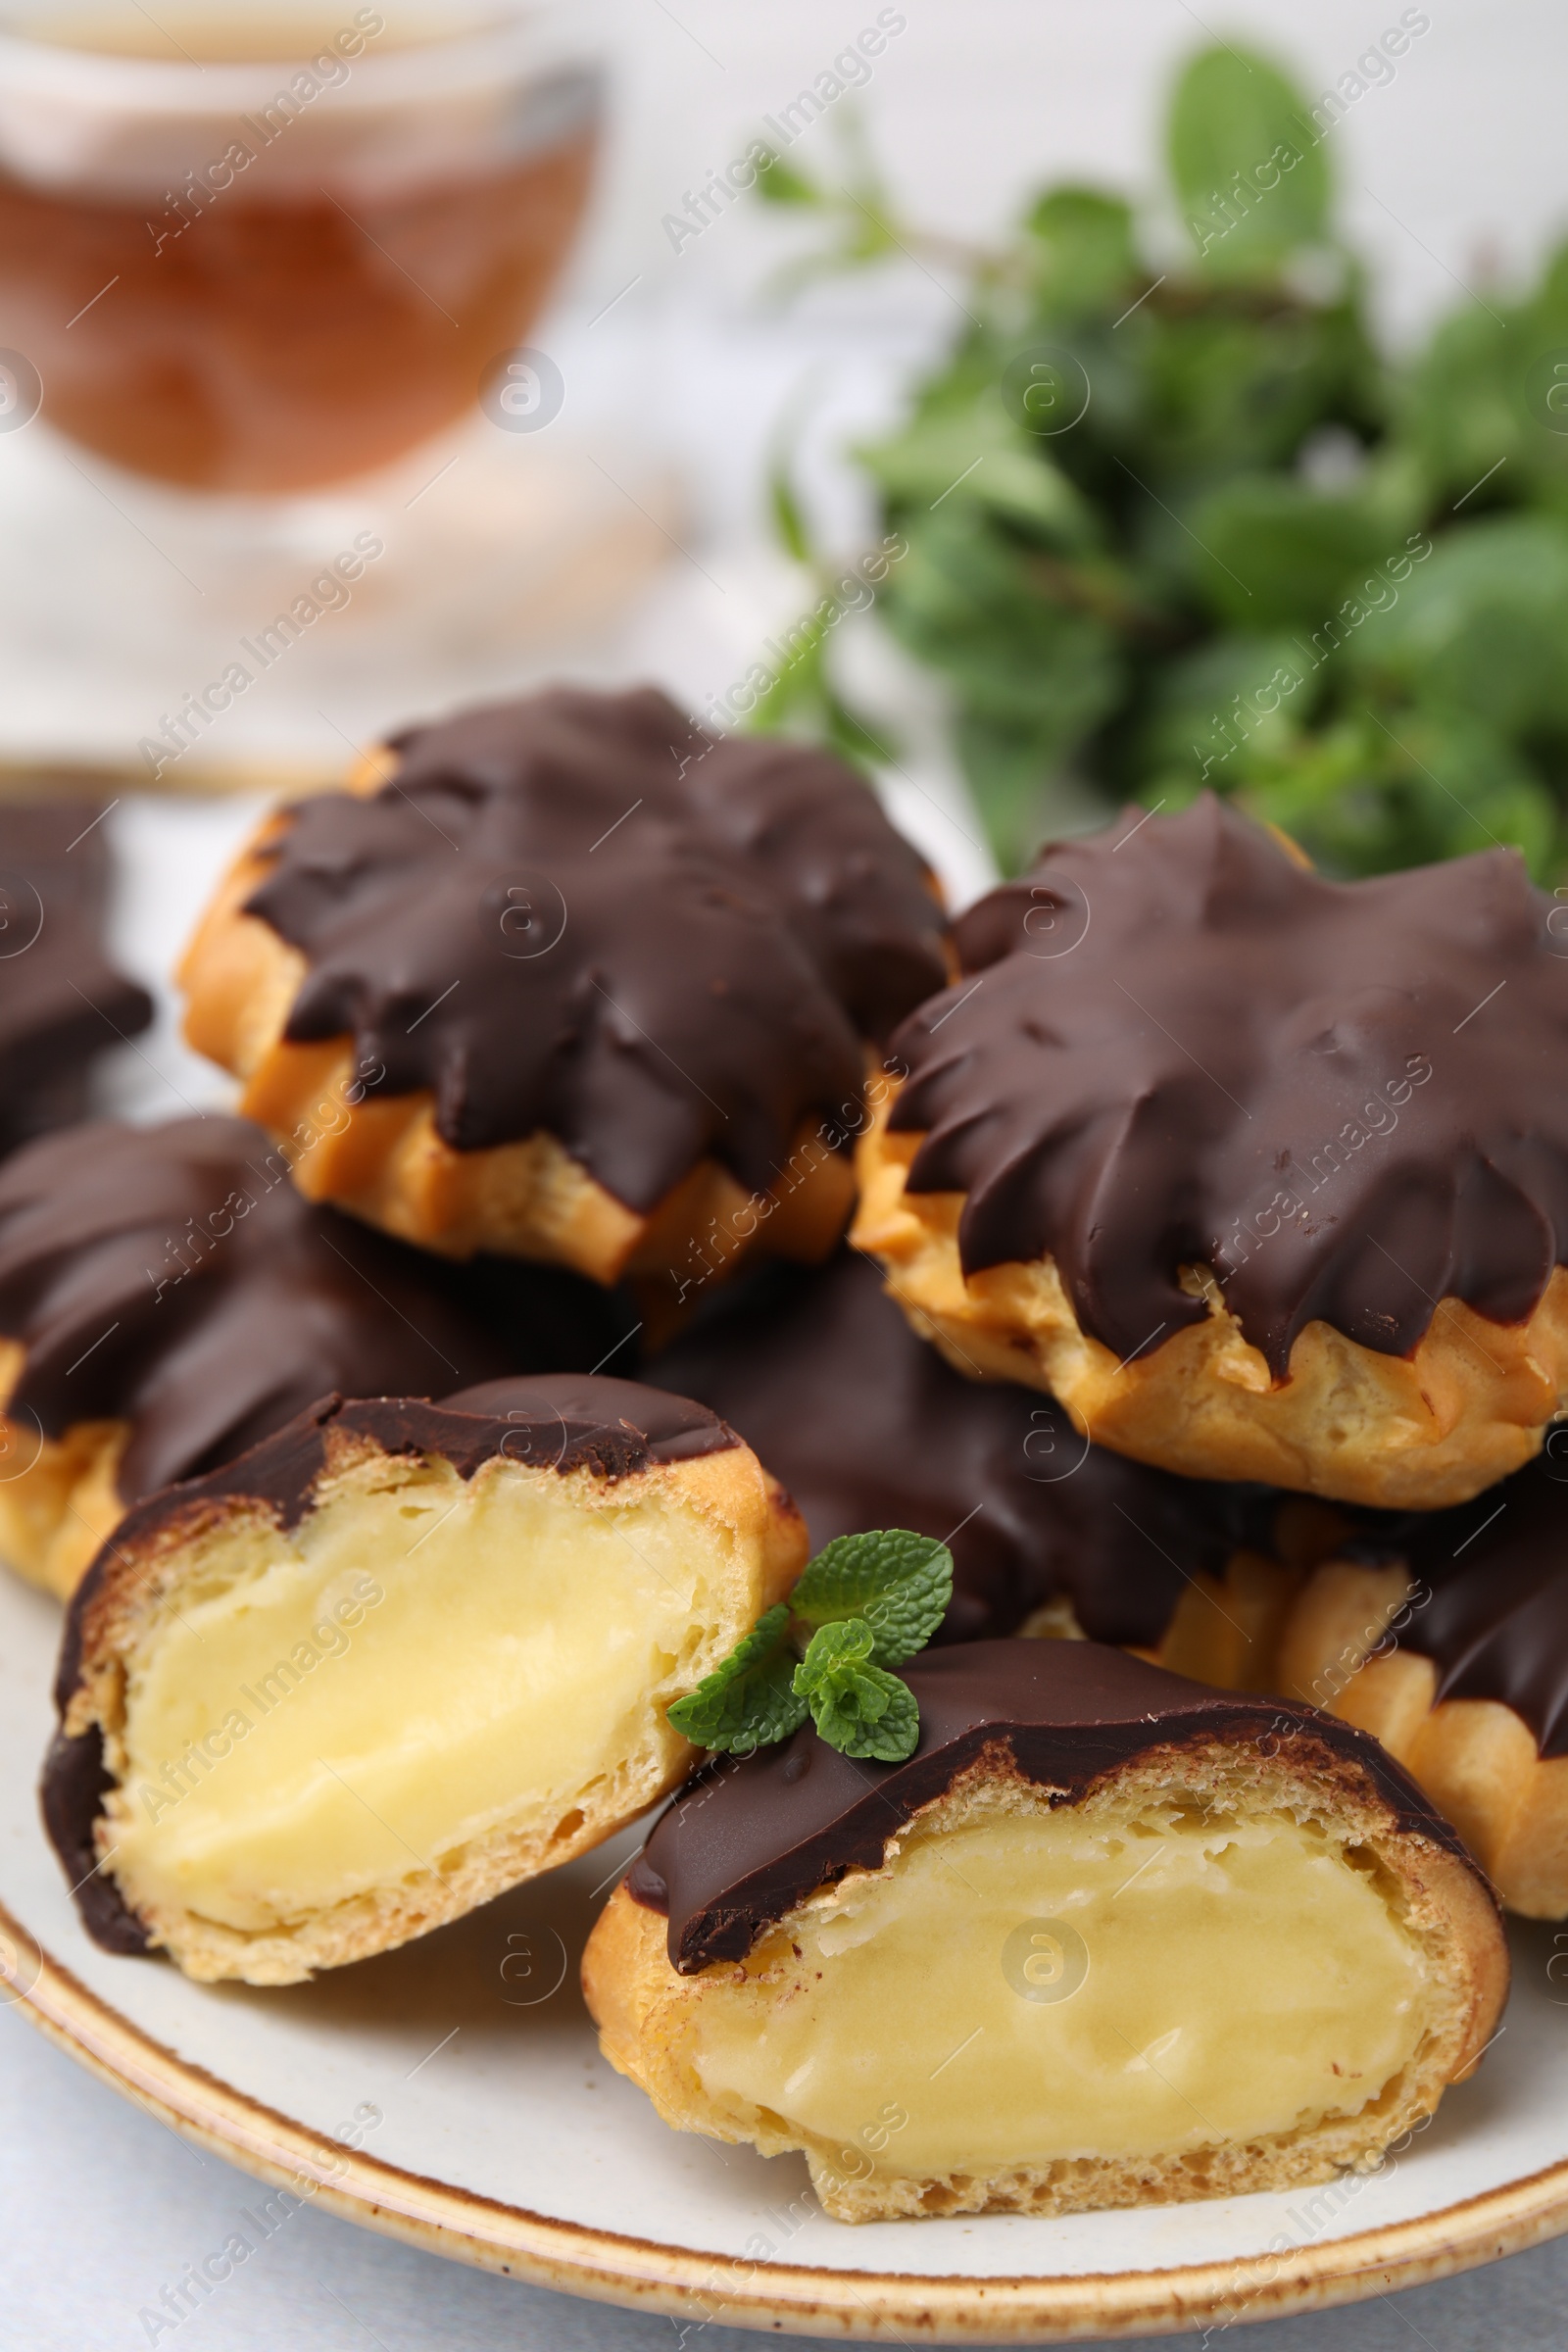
(642, 2274)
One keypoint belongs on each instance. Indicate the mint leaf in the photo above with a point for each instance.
(890, 1737)
(747, 1702)
(1083, 249)
(789, 521)
(847, 1642)
(872, 1601)
(1231, 114)
(777, 183)
(897, 1583)
(857, 1708)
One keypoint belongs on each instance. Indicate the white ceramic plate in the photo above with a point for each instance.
(452, 2093)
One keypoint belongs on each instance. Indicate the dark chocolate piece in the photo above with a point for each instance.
(545, 1318)
(561, 1421)
(173, 1277)
(61, 1001)
(868, 1427)
(625, 1424)
(1491, 1604)
(581, 915)
(70, 1797)
(1185, 1049)
(747, 1840)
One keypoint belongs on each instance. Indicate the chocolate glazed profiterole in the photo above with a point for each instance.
(1265, 1176)
(1107, 1937)
(868, 1427)
(594, 985)
(1446, 1635)
(62, 1002)
(397, 1658)
(167, 1299)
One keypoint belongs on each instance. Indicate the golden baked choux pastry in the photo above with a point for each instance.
(1264, 1176)
(398, 1657)
(1447, 1637)
(1106, 1938)
(575, 981)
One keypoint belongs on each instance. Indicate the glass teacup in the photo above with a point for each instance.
(262, 252)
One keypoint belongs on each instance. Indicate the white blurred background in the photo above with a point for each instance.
(1454, 168)
(629, 540)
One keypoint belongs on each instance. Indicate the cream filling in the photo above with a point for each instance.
(421, 1664)
(1037, 1986)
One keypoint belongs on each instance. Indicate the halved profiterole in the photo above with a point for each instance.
(395, 1659)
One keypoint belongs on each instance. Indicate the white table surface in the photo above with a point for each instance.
(101, 2207)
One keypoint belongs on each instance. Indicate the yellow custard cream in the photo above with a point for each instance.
(1033, 1986)
(416, 1668)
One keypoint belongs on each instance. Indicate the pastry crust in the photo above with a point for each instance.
(1477, 1760)
(57, 1497)
(1470, 1402)
(175, 1553)
(648, 2015)
(1328, 1636)
(382, 1158)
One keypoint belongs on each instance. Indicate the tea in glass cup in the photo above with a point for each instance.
(267, 252)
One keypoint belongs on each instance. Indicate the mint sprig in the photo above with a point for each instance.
(857, 1706)
(867, 1602)
(900, 1585)
(749, 1701)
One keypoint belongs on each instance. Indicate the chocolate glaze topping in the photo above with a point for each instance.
(1184, 1048)
(70, 1796)
(173, 1277)
(1490, 1600)
(747, 1840)
(869, 1426)
(61, 1002)
(579, 913)
(561, 1421)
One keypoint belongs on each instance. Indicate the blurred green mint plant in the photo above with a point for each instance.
(1178, 522)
